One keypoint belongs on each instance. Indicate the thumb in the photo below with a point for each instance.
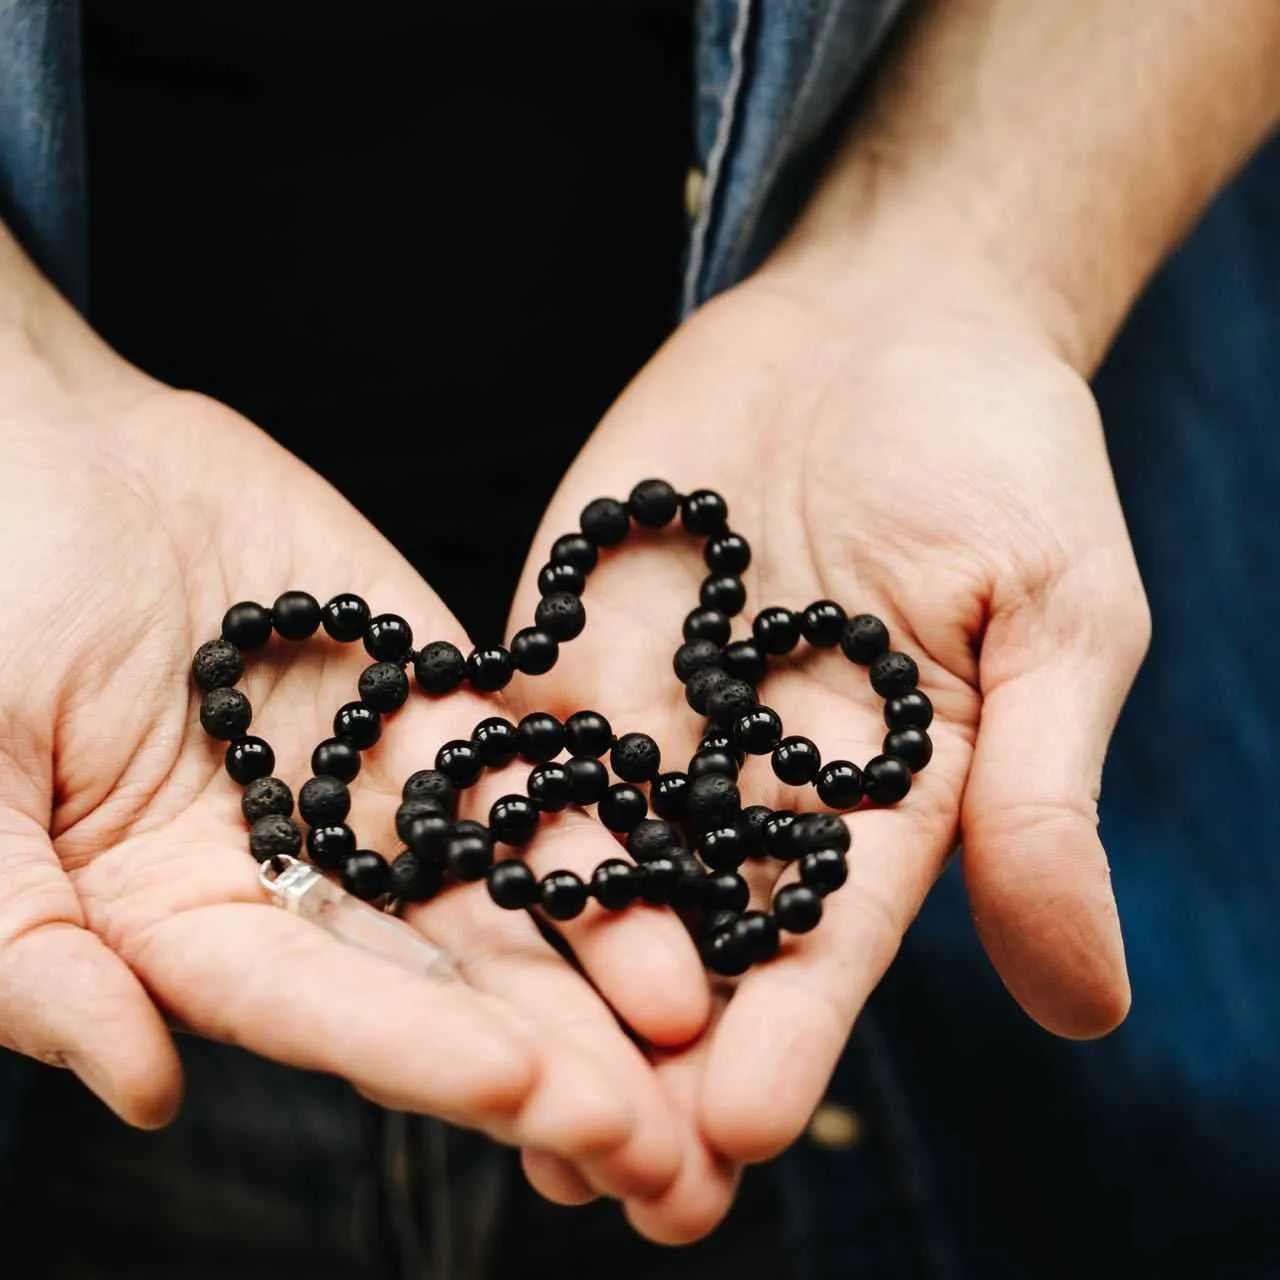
(1055, 669)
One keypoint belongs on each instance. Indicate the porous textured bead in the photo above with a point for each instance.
(893, 674)
(724, 593)
(621, 807)
(652, 837)
(757, 731)
(329, 847)
(431, 784)
(605, 522)
(840, 784)
(824, 831)
(512, 885)
(727, 553)
(796, 761)
(550, 787)
(587, 733)
(513, 820)
(345, 617)
(265, 796)
(615, 884)
(698, 687)
(296, 615)
(669, 795)
(542, 737)
(248, 758)
(912, 746)
(797, 908)
(489, 669)
(714, 801)
(588, 779)
(776, 631)
(635, 758)
(384, 687)
(822, 624)
(562, 895)
(707, 624)
(365, 874)
(336, 757)
(439, 667)
(694, 656)
(225, 714)
(562, 615)
(653, 503)
(575, 549)
(273, 837)
(247, 625)
(911, 710)
(534, 651)
(864, 639)
(414, 878)
(324, 801)
(358, 723)
(704, 512)
(460, 762)
(468, 852)
(751, 826)
(388, 638)
(886, 779)
(217, 665)
(743, 660)
(729, 701)
(824, 870)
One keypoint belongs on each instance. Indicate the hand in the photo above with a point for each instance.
(919, 453)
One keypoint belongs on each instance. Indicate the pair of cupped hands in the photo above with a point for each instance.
(910, 450)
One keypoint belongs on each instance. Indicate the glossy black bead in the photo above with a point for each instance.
(358, 723)
(588, 780)
(513, 820)
(840, 784)
(694, 656)
(345, 617)
(336, 757)
(217, 665)
(886, 779)
(534, 651)
(489, 669)
(823, 831)
(724, 954)
(560, 575)
(757, 934)
(913, 746)
(468, 852)
(750, 826)
(542, 737)
(248, 758)
(824, 870)
(714, 801)
(587, 733)
(621, 807)
(743, 661)
(651, 838)
(724, 593)
(653, 503)
(550, 787)
(822, 624)
(329, 847)
(562, 615)
(720, 920)
(698, 687)
(605, 522)
(726, 891)
(498, 741)
(410, 811)
(384, 687)
(512, 885)
(727, 553)
(757, 731)
(431, 784)
(776, 630)
(365, 874)
(439, 667)
(797, 908)
(717, 739)
(704, 512)
(669, 795)
(690, 887)
(225, 714)
(460, 762)
(796, 761)
(296, 615)
(893, 674)
(575, 549)
(615, 884)
(709, 760)
(635, 758)
(723, 848)
(273, 837)
(324, 801)
(264, 796)
(388, 638)
(864, 639)
(911, 710)
(562, 895)
(729, 701)
(428, 836)
(247, 625)
(414, 878)
(707, 624)
(779, 837)
(658, 880)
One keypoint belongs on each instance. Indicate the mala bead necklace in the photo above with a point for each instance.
(686, 830)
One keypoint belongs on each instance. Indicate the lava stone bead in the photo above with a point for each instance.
(893, 674)
(383, 686)
(658, 880)
(707, 624)
(410, 811)
(750, 826)
(247, 625)
(651, 838)
(542, 737)
(225, 714)
(365, 874)
(824, 870)
(329, 847)
(714, 801)
(743, 661)
(575, 549)
(468, 853)
(337, 758)
(757, 731)
(217, 665)
(840, 784)
(562, 895)
(724, 593)
(621, 807)
(704, 512)
(694, 655)
(513, 820)
(498, 741)
(912, 746)
(324, 801)
(562, 615)
(428, 836)
(296, 615)
(723, 848)
(587, 733)
(534, 651)
(605, 522)
(653, 503)
(797, 908)
(724, 954)
(249, 758)
(911, 710)
(726, 891)
(822, 624)
(345, 617)
(560, 575)
(460, 762)
(388, 638)
(588, 780)
(359, 724)
(512, 885)
(615, 884)
(416, 879)
(824, 831)
(550, 787)
(698, 687)
(439, 667)
(886, 779)
(757, 934)
(779, 838)
(710, 760)
(264, 796)
(864, 639)
(669, 795)
(727, 553)
(489, 669)
(431, 784)
(796, 761)
(274, 837)
(729, 701)
(776, 631)
(635, 758)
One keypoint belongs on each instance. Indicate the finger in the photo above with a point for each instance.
(556, 1180)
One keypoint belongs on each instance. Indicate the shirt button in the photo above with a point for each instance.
(835, 1128)
(693, 181)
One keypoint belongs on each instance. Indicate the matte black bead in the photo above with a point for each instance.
(575, 549)
(562, 615)
(337, 758)
(822, 624)
(651, 838)
(550, 787)
(345, 617)
(498, 740)
(714, 801)
(615, 884)
(621, 807)
(429, 836)
(796, 761)
(893, 674)
(365, 874)
(587, 733)
(694, 656)
(757, 934)
(489, 669)
(217, 665)
(431, 784)
(704, 512)
(911, 710)
(669, 795)
(726, 891)
(723, 848)
(698, 687)
(468, 852)
(410, 811)
(797, 908)
(439, 667)
(460, 762)
(824, 870)
(534, 651)
(324, 801)
(296, 615)
(658, 880)
(359, 724)
(588, 779)
(273, 837)
(653, 503)
(823, 831)
(329, 847)
(709, 760)
(388, 638)
(635, 758)
(225, 714)
(266, 795)
(248, 758)
(776, 630)
(886, 779)
(562, 895)
(757, 731)
(690, 887)
(560, 575)
(542, 737)
(512, 885)
(751, 826)
(864, 639)
(723, 593)
(779, 838)
(913, 746)
(727, 553)
(513, 820)
(384, 687)
(743, 661)
(416, 879)
(605, 521)
(724, 954)
(729, 701)
(840, 784)
(707, 624)
(247, 625)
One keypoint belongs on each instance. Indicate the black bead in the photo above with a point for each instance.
(329, 847)
(605, 522)
(359, 724)
(337, 758)
(893, 674)
(588, 779)
(542, 737)
(698, 687)
(779, 837)
(824, 870)
(550, 787)
(707, 624)
(388, 638)
(324, 801)
(717, 739)
(561, 615)
(796, 761)
(345, 617)
(248, 758)
(669, 795)
(714, 801)
(429, 836)
(439, 667)
(722, 953)
(574, 549)
(587, 733)
(776, 630)
(757, 731)
(273, 837)
(694, 656)
(431, 784)
(296, 615)
(704, 512)
(822, 624)
(726, 891)
(266, 795)
(512, 885)
(615, 884)
(460, 762)
(722, 919)
(562, 895)
(690, 887)
(708, 760)
(913, 746)
(723, 848)
(823, 831)
(797, 908)
(886, 779)
(513, 820)
(743, 661)
(727, 553)
(410, 811)
(247, 625)
(729, 701)
(840, 784)
(468, 852)
(751, 826)
(534, 651)
(217, 664)
(635, 758)
(757, 934)
(864, 639)
(498, 741)
(560, 575)
(652, 838)
(489, 669)
(225, 713)
(658, 880)
(365, 874)
(416, 879)
(621, 807)
(911, 710)
(653, 503)
(725, 594)
(384, 687)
